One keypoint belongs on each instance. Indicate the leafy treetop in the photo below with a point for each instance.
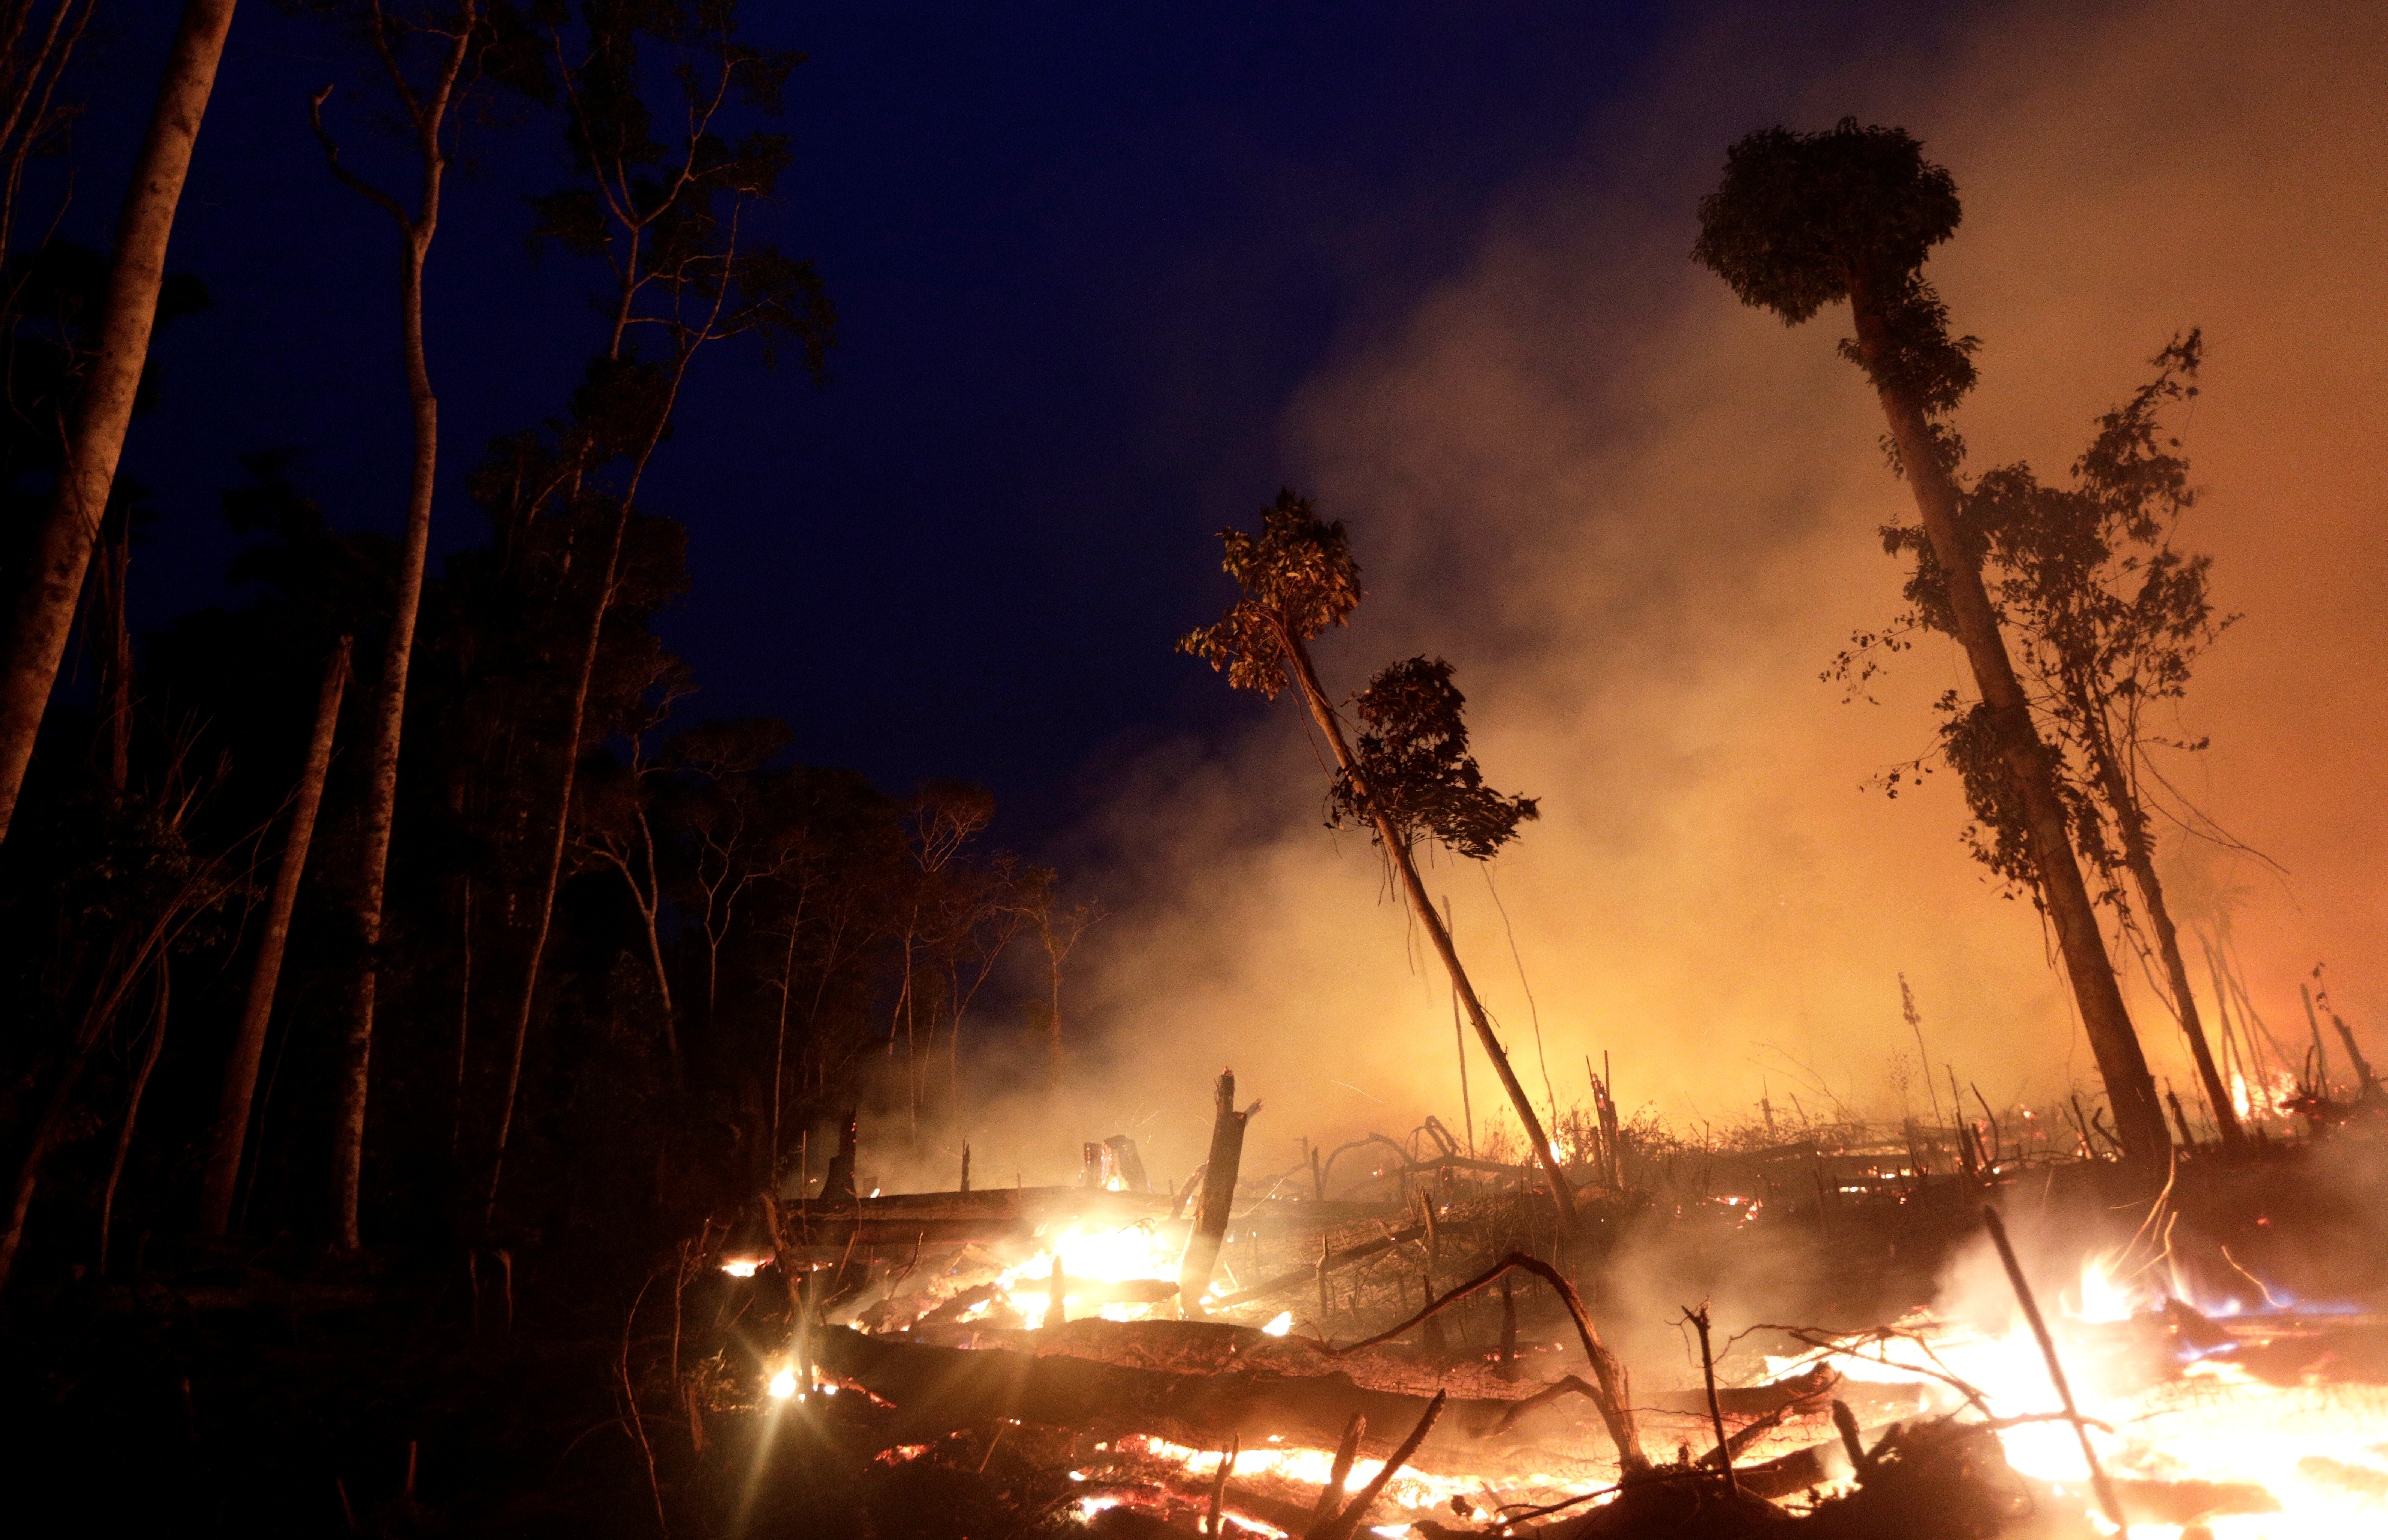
(1413, 770)
(1802, 221)
(1298, 579)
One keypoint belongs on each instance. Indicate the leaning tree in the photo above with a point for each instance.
(1802, 221)
(2109, 618)
(1410, 776)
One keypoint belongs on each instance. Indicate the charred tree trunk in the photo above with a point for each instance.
(265, 974)
(416, 233)
(1211, 1211)
(61, 553)
(2139, 1115)
(1398, 851)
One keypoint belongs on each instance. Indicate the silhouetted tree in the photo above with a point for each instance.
(665, 219)
(2109, 619)
(1802, 221)
(1412, 776)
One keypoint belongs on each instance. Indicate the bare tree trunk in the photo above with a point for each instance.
(2139, 855)
(381, 806)
(132, 1105)
(1398, 851)
(61, 553)
(1217, 1201)
(265, 974)
(2139, 1116)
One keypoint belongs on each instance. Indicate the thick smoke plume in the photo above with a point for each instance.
(1640, 520)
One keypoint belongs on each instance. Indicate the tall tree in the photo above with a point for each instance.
(427, 109)
(2109, 618)
(53, 583)
(1411, 775)
(665, 219)
(1802, 221)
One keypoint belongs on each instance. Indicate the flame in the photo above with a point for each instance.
(744, 1266)
(1119, 1254)
(783, 1384)
(1279, 1324)
(2315, 1446)
(1410, 1487)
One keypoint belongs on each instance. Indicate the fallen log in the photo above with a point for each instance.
(936, 1390)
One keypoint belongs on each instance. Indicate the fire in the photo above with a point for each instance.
(1412, 1489)
(1089, 1254)
(2318, 1448)
(783, 1384)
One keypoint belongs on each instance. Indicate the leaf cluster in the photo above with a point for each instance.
(1298, 579)
(1413, 770)
(2107, 615)
(1802, 221)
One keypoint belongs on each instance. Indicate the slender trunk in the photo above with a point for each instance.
(650, 902)
(54, 578)
(133, 1107)
(780, 1047)
(1423, 906)
(609, 578)
(49, 1123)
(2139, 1116)
(543, 917)
(381, 806)
(265, 974)
(2138, 854)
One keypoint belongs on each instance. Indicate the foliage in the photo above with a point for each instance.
(1414, 772)
(1801, 221)
(2108, 616)
(1298, 579)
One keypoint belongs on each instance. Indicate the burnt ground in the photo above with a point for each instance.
(280, 1391)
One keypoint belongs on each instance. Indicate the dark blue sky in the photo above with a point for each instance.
(1081, 254)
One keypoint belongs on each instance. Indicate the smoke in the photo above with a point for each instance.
(1640, 519)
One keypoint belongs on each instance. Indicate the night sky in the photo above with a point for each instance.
(1083, 257)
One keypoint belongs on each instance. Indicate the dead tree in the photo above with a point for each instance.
(1412, 774)
(1211, 1211)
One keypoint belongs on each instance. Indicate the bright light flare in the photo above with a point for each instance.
(1121, 1255)
(783, 1384)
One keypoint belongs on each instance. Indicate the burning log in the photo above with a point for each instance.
(1218, 1196)
(936, 1388)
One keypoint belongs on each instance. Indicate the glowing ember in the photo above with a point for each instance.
(1410, 1488)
